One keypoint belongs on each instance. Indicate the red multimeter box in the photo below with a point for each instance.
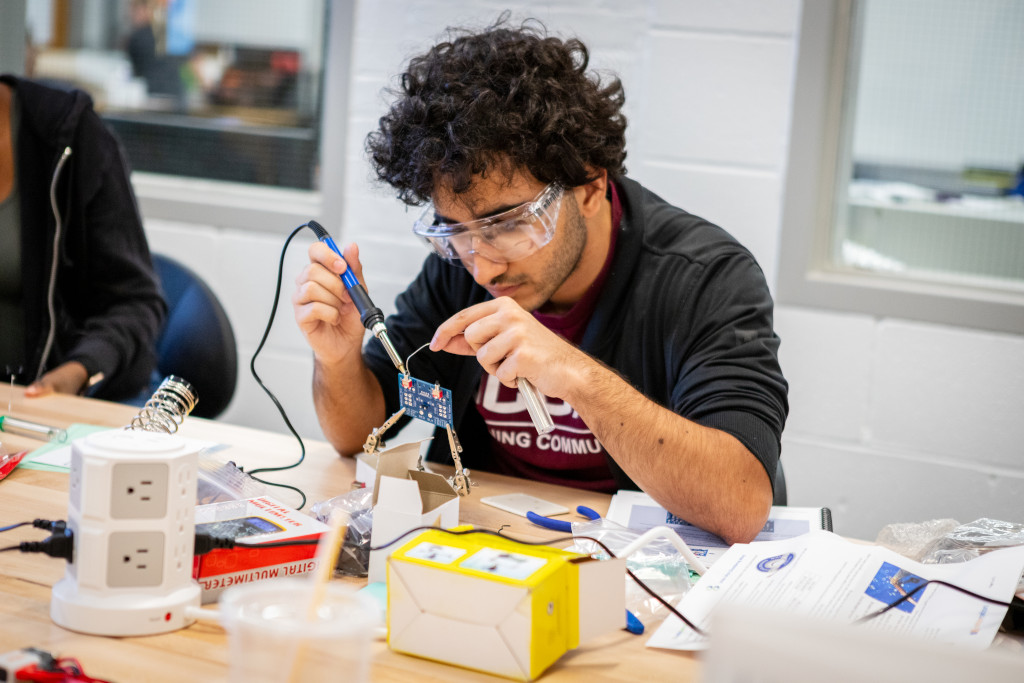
(256, 520)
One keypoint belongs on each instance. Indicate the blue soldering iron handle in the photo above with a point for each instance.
(369, 314)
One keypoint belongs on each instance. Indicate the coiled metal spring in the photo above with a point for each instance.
(167, 408)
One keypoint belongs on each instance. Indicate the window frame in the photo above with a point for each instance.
(12, 36)
(826, 59)
(238, 205)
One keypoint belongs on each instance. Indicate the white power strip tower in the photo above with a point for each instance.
(132, 510)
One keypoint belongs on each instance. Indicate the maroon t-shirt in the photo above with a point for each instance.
(570, 454)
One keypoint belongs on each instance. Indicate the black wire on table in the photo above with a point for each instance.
(921, 587)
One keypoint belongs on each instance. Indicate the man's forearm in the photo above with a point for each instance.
(703, 475)
(349, 403)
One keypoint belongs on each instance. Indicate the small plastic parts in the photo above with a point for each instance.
(354, 557)
(658, 564)
(9, 461)
(32, 664)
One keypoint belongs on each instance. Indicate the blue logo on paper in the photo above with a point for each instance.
(770, 565)
(678, 521)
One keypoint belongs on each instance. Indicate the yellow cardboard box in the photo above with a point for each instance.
(494, 605)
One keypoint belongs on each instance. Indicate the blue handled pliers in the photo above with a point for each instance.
(633, 625)
(562, 525)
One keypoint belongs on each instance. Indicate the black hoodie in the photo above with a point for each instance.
(685, 316)
(107, 302)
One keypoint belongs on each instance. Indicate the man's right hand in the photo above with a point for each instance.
(323, 309)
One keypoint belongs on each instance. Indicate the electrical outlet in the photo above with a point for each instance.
(138, 490)
(131, 506)
(135, 558)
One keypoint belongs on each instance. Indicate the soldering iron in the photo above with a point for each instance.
(371, 316)
(373, 320)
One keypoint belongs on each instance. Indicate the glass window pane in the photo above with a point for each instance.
(932, 179)
(217, 89)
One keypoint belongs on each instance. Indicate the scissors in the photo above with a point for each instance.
(561, 524)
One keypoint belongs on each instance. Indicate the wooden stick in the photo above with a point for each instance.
(326, 557)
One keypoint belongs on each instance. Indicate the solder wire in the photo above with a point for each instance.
(409, 357)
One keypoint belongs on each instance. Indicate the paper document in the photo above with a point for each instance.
(822, 575)
(638, 511)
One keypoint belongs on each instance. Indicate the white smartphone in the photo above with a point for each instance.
(521, 503)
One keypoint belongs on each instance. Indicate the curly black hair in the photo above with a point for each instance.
(499, 100)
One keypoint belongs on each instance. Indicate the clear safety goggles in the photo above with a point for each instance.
(503, 238)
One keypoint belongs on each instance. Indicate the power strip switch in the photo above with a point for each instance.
(132, 498)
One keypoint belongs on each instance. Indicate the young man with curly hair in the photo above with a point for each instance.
(648, 329)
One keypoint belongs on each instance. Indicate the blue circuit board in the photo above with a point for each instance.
(428, 402)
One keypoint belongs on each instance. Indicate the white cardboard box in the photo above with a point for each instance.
(405, 498)
(399, 459)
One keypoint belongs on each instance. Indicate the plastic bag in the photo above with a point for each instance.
(354, 556)
(658, 564)
(974, 539)
(945, 541)
(914, 539)
(218, 481)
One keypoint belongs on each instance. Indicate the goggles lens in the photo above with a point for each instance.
(506, 237)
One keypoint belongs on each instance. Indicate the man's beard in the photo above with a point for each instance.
(562, 265)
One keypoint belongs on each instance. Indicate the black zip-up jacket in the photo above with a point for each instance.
(106, 297)
(685, 316)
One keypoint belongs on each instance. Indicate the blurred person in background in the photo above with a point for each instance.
(80, 303)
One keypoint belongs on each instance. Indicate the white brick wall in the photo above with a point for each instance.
(827, 359)
(901, 421)
(890, 420)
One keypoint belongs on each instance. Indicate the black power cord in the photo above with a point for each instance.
(921, 586)
(280, 408)
(207, 543)
(48, 524)
(58, 544)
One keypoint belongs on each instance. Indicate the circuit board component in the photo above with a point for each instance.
(427, 402)
(430, 403)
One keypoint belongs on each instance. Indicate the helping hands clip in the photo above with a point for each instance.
(459, 481)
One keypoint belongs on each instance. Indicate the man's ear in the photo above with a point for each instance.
(590, 196)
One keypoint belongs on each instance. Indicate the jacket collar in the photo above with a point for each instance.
(607, 315)
(52, 114)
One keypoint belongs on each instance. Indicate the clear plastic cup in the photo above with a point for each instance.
(271, 637)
